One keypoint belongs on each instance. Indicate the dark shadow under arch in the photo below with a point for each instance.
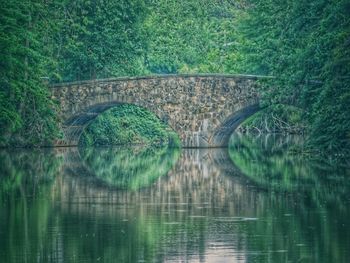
(222, 134)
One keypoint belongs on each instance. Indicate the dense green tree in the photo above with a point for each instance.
(190, 36)
(26, 112)
(100, 38)
(305, 46)
(59, 40)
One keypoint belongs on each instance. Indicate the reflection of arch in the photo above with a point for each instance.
(201, 183)
(196, 171)
(202, 109)
(130, 168)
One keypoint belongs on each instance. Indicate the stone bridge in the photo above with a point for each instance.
(203, 109)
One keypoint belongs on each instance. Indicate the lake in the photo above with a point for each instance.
(254, 202)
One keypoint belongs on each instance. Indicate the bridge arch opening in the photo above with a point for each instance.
(119, 123)
(222, 134)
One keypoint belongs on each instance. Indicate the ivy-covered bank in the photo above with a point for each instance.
(129, 124)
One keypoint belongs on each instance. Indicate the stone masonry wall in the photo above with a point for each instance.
(195, 106)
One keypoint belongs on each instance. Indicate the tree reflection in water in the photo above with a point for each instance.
(26, 181)
(129, 168)
(268, 162)
(130, 205)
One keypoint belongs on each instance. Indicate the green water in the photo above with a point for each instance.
(255, 202)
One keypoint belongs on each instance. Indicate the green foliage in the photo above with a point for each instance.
(190, 36)
(100, 39)
(276, 118)
(27, 115)
(128, 124)
(305, 45)
(61, 40)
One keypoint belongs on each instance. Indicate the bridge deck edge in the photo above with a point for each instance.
(239, 76)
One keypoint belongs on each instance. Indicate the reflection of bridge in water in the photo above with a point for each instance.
(198, 208)
(205, 176)
(197, 193)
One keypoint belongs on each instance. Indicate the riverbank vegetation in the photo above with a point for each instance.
(278, 118)
(305, 46)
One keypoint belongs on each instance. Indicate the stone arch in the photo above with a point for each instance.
(75, 125)
(223, 132)
(203, 109)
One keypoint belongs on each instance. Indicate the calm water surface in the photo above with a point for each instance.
(255, 202)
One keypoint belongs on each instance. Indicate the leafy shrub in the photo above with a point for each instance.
(128, 124)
